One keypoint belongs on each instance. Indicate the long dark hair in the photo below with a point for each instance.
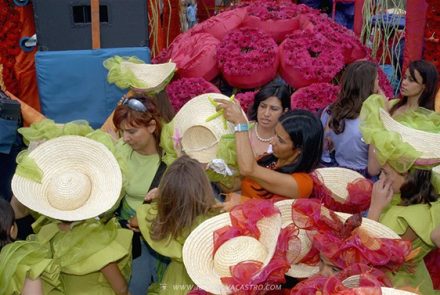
(417, 188)
(429, 74)
(275, 88)
(357, 84)
(306, 132)
(6, 222)
(184, 194)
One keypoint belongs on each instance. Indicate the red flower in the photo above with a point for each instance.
(314, 97)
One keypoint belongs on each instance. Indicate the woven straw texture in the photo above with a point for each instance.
(200, 138)
(206, 271)
(425, 142)
(81, 179)
(336, 180)
(155, 76)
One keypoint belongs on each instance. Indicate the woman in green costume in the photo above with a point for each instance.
(25, 266)
(418, 90)
(71, 180)
(405, 198)
(183, 200)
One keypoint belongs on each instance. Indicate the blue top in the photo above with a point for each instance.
(350, 149)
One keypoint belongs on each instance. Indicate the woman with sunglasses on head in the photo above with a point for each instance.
(139, 122)
(297, 147)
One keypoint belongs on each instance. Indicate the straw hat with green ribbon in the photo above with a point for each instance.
(131, 72)
(201, 126)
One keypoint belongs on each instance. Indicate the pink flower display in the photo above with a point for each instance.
(314, 97)
(342, 37)
(221, 24)
(275, 17)
(308, 57)
(182, 90)
(246, 99)
(247, 58)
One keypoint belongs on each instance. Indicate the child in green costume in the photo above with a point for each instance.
(183, 200)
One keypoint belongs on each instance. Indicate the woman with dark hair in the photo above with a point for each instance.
(415, 109)
(139, 121)
(419, 87)
(297, 146)
(270, 102)
(343, 144)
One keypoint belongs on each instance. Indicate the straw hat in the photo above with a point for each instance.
(336, 180)
(206, 271)
(135, 73)
(424, 142)
(373, 228)
(81, 179)
(354, 281)
(200, 138)
(154, 76)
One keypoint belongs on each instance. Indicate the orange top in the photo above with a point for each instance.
(250, 189)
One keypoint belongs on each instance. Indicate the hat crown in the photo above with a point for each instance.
(236, 250)
(69, 191)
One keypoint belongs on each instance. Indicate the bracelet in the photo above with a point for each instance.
(243, 127)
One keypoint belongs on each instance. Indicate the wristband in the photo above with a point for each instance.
(241, 127)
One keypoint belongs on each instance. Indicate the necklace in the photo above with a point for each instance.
(260, 138)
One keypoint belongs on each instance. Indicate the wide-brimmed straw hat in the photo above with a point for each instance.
(133, 72)
(301, 270)
(336, 179)
(427, 143)
(206, 270)
(200, 135)
(80, 179)
(354, 282)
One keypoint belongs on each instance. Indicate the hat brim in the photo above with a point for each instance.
(72, 153)
(154, 76)
(199, 137)
(336, 180)
(198, 250)
(424, 142)
(301, 270)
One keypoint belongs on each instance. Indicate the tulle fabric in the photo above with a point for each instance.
(370, 282)
(244, 220)
(27, 259)
(389, 146)
(344, 243)
(358, 200)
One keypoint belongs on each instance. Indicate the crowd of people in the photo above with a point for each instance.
(112, 216)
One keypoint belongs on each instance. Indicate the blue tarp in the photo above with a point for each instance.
(72, 84)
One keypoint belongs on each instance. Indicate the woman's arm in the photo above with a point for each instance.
(381, 197)
(115, 278)
(272, 181)
(32, 287)
(435, 236)
(373, 164)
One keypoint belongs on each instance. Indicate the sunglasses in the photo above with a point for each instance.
(134, 104)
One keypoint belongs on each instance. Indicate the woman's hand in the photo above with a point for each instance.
(381, 197)
(151, 195)
(133, 224)
(231, 111)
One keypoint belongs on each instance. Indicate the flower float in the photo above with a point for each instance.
(314, 97)
(247, 58)
(246, 99)
(182, 90)
(307, 57)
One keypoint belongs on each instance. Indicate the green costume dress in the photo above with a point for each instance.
(422, 219)
(84, 250)
(175, 279)
(27, 259)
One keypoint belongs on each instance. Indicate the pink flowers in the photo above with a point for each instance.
(309, 57)
(247, 58)
(182, 90)
(314, 97)
(246, 99)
